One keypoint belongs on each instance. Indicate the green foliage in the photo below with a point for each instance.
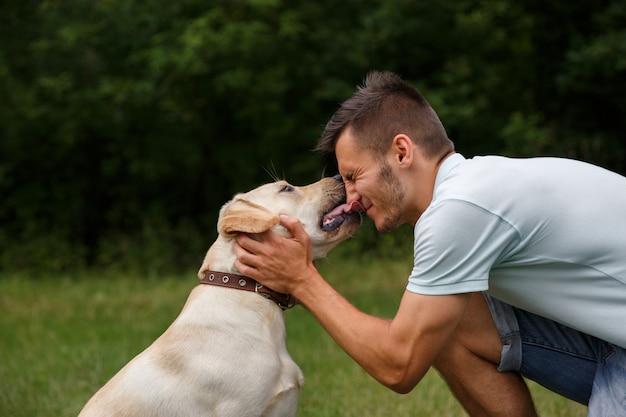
(125, 122)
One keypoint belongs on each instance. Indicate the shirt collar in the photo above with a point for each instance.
(446, 166)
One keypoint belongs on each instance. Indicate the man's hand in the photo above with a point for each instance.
(277, 262)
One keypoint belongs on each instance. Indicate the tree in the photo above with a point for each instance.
(125, 125)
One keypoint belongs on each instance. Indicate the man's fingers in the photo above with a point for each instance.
(245, 259)
(293, 225)
(272, 259)
(239, 250)
(245, 270)
(245, 242)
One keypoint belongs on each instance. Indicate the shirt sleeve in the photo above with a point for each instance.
(456, 244)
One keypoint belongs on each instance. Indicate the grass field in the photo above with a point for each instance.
(62, 337)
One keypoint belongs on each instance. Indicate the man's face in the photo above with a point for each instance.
(371, 182)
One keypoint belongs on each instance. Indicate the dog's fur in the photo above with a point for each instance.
(225, 354)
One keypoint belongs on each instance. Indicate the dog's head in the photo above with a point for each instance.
(320, 207)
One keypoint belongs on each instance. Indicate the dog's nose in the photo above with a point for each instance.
(338, 178)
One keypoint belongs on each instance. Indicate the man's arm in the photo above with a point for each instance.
(396, 352)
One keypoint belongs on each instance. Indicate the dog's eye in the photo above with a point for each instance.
(287, 189)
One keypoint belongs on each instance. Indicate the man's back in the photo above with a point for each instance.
(545, 234)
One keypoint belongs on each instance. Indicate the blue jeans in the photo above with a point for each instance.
(580, 367)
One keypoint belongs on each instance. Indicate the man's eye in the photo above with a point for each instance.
(287, 189)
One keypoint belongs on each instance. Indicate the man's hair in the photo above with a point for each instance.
(382, 108)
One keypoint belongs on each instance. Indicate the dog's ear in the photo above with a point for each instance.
(243, 216)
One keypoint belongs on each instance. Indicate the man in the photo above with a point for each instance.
(520, 264)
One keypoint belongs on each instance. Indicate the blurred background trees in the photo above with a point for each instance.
(125, 125)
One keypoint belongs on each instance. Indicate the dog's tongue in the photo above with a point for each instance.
(355, 206)
(334, 218)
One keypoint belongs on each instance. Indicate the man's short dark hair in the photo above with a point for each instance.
(382, 108)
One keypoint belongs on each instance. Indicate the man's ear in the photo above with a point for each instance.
(243, 216)
(402, 148)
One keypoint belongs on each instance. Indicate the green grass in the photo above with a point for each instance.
(62, 337)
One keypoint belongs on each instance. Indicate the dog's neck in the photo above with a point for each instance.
(220, 257)
(219, 269)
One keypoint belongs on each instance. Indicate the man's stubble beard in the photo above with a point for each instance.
(392, 195)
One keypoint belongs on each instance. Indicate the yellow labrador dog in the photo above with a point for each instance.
(225, 354)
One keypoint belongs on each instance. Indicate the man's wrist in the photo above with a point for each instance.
(309, 285)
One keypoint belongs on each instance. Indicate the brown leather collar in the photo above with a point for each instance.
(239, 282)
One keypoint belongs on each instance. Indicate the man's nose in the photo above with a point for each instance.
(351, 194)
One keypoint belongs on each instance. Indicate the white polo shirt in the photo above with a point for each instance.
(547, 235)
